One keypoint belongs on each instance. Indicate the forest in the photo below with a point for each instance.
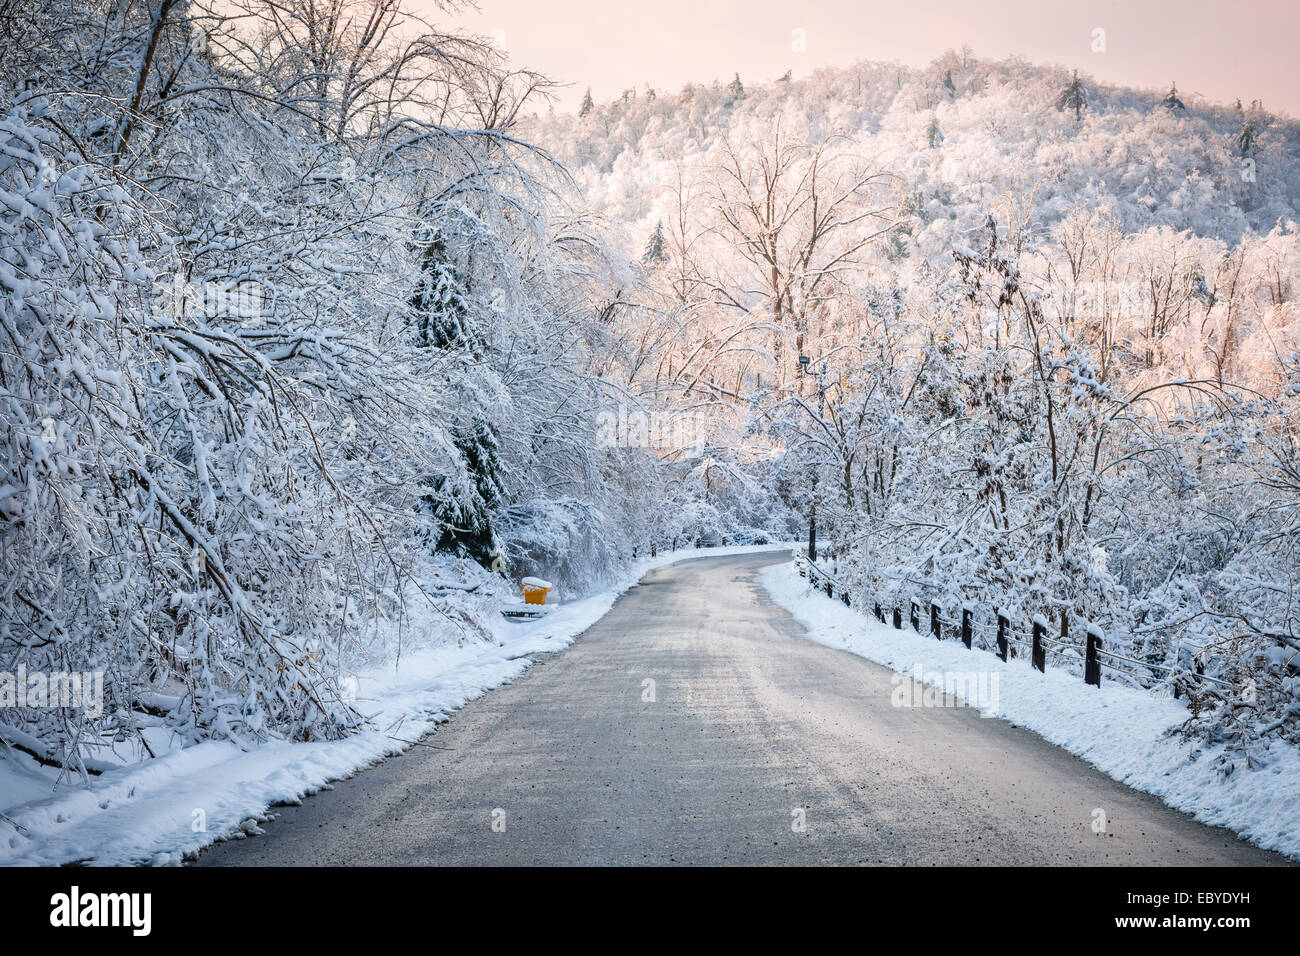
(297, 332)
(1011, 338)
(312, 311)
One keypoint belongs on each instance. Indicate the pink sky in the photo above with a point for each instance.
(1218, 48)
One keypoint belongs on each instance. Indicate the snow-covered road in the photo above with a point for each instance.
(694, 724)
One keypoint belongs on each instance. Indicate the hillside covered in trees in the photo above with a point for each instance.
(1016, 338)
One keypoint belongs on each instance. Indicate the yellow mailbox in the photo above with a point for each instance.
(535, 590)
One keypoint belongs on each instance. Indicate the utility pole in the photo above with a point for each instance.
(804, 364)
(812, 520)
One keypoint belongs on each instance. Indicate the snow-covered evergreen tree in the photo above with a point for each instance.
(656, 250)
(1171, 100)
(933, 135)
(1246, 138)
(1073, 97)
(735, 90)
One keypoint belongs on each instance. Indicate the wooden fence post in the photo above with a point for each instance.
(965, 627)
(898, 619)
(934, 621)
(916, 618)
(1002, 636)
(1091, 663)
(880, 615)
(1039, 659)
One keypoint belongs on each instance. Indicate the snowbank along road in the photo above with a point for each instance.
(693, 724)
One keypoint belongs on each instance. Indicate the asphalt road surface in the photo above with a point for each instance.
(753, 745)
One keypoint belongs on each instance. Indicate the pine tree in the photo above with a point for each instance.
(1171, 100)
(949, 86)
(1201, 288)
(1246, 138)
(655, 249)
(439, 307)
(933, 135)
(735, 90)
(587, 105)
(463, 514)
(1073, 97)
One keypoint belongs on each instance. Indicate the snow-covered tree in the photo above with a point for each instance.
(933, 135)
(735, 90)
(656, 249)
(1073, 97)
(1246, 138)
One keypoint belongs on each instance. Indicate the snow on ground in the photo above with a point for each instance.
(150, 811)
(1119, 730)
